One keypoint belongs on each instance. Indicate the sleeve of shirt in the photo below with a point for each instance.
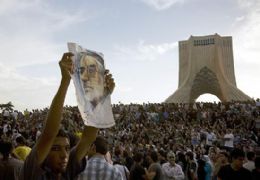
(193, 167)
(221, 172)
(179, 173)
(207, 168)
(164, 169)
(117, 174)
(141, 170)
(31, 169)
(74, 167)
(152, 168)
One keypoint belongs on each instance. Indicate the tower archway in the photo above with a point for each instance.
(206, 65)
(207, 97)
(204, 82)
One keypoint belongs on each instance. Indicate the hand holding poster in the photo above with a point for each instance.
(93, 99)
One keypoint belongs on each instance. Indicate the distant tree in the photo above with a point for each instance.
(8, 106)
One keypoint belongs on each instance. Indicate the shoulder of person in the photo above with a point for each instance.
(225, 167)
(116, 170)
(165, 164)
(245, 170)
(177, 165)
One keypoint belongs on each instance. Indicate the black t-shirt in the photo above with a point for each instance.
(31, 170)
(137, 172)
(255, 174)
(191, 167)
(227, 173)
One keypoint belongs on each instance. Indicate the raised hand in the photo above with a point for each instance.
(66, 65)
(109, 83)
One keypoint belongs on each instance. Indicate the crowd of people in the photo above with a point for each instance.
(199, 141)
(170, 135)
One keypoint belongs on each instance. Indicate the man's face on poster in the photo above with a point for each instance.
(91, 77)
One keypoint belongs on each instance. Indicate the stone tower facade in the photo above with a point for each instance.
(206, 65)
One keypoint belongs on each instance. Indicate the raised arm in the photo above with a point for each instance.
(90, 133)
(53, 120)
(88, 137)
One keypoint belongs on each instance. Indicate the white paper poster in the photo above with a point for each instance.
(94, 102)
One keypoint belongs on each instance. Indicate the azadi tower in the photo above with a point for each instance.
(206, 65)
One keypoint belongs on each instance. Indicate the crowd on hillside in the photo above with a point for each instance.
(176, 141)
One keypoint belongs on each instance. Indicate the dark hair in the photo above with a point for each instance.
(225, 154)
(117, 151)
(250, 155)
(73, 139)
(138, 157)
(125, 154)
(101, 145)
(6, 148)
(201, 169)
(20, 140)
(163, 153)
(182, 160)
(257, 162)
(154, 156)
(62, 133)
(236, 153)
(190, 155)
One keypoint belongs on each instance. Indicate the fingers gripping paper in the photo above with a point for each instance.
(94, 101)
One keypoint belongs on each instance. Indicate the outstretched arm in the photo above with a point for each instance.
(53, 120)
(88, 137)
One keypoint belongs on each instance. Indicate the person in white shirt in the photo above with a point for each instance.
(229, 140)
(14, 115)
(6, 114)
(211, 137)
(171, 170)
(250, 164)
(123, 170)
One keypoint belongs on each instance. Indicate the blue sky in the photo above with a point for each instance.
(139, 39)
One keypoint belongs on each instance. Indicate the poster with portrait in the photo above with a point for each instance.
(94, 102)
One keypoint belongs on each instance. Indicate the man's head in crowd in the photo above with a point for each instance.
(189, 156)
(223, 157)
(153, 157)
(162, 155)
(229, 131)
(22, 150)
(237, 157)
(100, 146)
(250, 156)
(171, 158)
(58, 156)
(6, 148)
(20, 140)
(257, 163)
(138, 157)
(212, 155)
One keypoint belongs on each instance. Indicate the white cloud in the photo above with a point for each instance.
(246, 32)
(247, 4)
(145, 52)
(246, 39)
(162, 4)
(25, 91)
(27, 50)
(239, 19)
(12, 80)
(123, 89)
(27, 32)
(11, 6)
